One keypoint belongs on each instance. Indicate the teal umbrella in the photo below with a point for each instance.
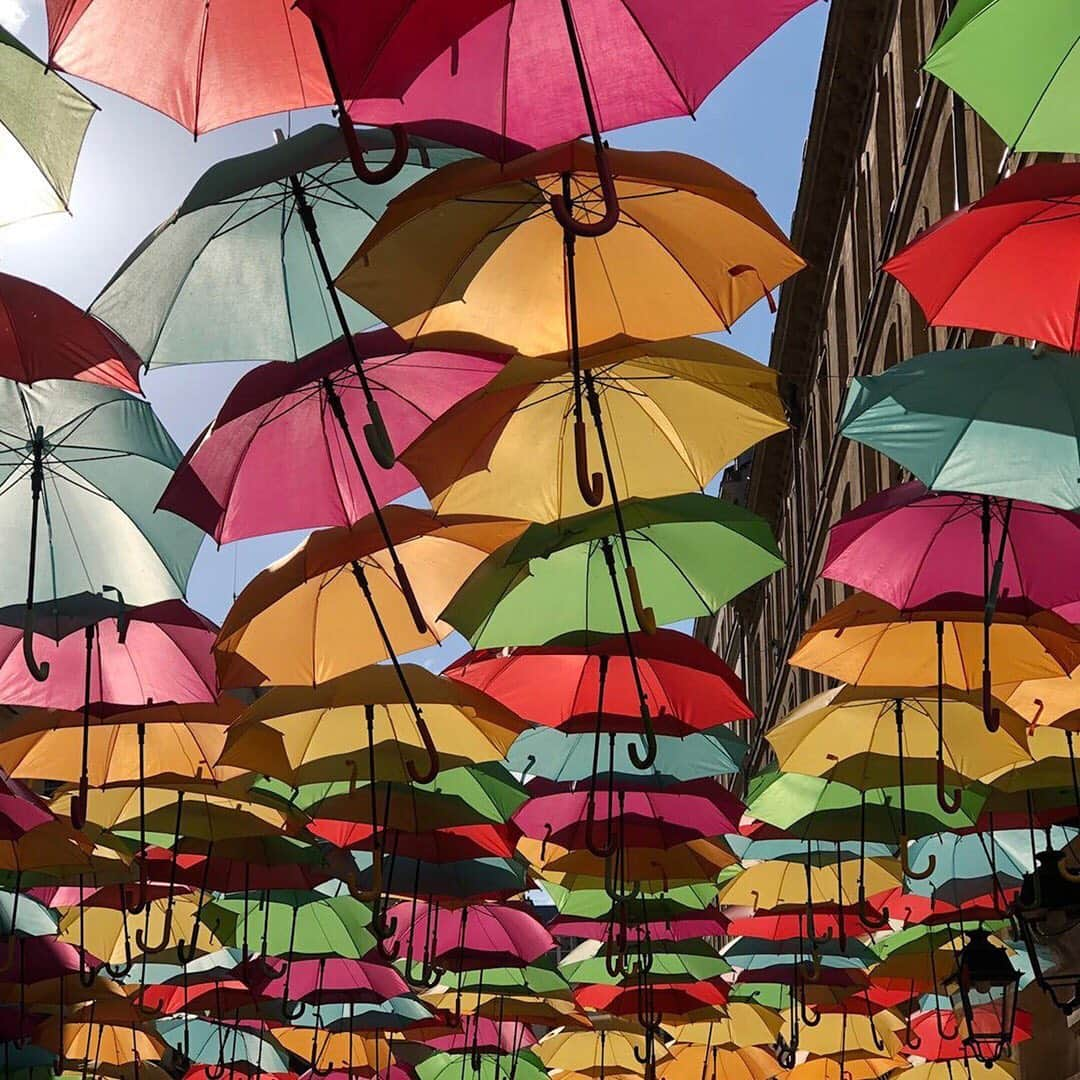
(216, 1042)
(43, 121)
(567, 757)
(693, 553)
(81, 469)
(1000, 421)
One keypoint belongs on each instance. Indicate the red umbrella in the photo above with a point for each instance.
(451, 844)
(44, 336)
(276, 457)
(934, 1034)
(788, 927)
(964, 271)
(689, 688)
(533, 73)
(20, 809)
(669, 999)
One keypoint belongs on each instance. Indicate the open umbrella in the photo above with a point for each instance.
(961, 271)
(1025, 93)
(82, 467)
(43, 120)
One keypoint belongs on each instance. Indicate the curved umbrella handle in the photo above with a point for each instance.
(166, 933)
(78, 803)
(417, 613)
(565, 217)
(1069, 873)
(378, 438)
(432, 770)
(811, 969)
(590, 484)
(648, 759)
(806, 1014)
(949, 805)
(991, 713)
(878, 922)
(646, 619)
(38, 671)
(905, 866)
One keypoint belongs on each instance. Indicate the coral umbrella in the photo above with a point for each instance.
(676, 412)
(927, 1036)
(298, 622)
(1016, 64)
(44, 120)
(44, 336)
(572, 688)
(962, 271)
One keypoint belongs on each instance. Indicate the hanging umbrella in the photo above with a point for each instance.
(676, 412)
(770, 885)
(299, 621)
(349, 1051)
(1025, 93)
(90, 461)
(525, 1066)
(997, 421)
(464, 880)
(44, 336)
(692, 1062)
(573, 687)
(1046, 701)
(960, 271)
(44, 120)
(552, 581)
(746, 1024)
(916, 548)
(608, 1049)
(664, 962)
(101, 1046)
(218, 1042)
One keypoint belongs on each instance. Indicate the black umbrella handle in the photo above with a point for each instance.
(37, 481)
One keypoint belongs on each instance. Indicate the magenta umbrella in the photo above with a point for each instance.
(332, 979)
(473, 937)
(20, 809)
(482, 1035)
(276, 458)
(641, 819)
(161, 653)
(917, 548)
(36, 959)
(534, 73)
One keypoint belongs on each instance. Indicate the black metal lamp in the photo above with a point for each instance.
(985, 988)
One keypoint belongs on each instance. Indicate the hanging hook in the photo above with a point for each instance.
(905, 866)
(431, 770)
(590, 484)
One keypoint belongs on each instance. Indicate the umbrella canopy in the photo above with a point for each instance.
(511, 79)
(44, 336)
(256, 469)
(766, 886)
(301, 621)
(475, 250)
(43, 121)
(177, 299)
(693, 553)
(867, 642)
(960, 271)
(996, 421)
(1024, 93)
(917, 548)
(574, 688)
(676, 411)
(308, 735)
(694, 1061)
(609, 1048)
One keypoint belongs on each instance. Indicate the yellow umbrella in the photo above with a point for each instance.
(304, 620)
(343, 727)
(865, 1069)
(53, 849)
(692, 1062)
(610, 1045)
(547, 1010)
(852, 1034)
(766, 886)
(745, 1024)
(474, 249)
(1050, 764)
(344, 1050)
(676, 411)
(1046, 701)
(868, 642)
(101, 1045)
(956, 1070)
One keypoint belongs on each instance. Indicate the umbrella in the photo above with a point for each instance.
(767, 886)
(692, 1062)
(218, 1042)
(676, 413)
(916, 548)
(44, 120)
(607, 1049)
(746, 1024)
(960, 271)
(298, 622)
(1025, 94)
(92, 461)
(516, 76)
(44, 336)
(692, 553)
(997, 421)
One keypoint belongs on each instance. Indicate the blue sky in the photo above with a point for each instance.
(137, 166)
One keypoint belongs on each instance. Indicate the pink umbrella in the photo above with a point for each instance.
(44, 336)
(474, 937)
(534, 73)
(327, 980)
(276, 459)
(161, 653)
(20, 809)
(916, 548)
(480, 1034)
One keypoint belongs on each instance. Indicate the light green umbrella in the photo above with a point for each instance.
(670, 962)
(999, 421)
(234, 274)
(43, 121)
(450, 1066)
(1017, 64)
(693, 553)
(82, 467)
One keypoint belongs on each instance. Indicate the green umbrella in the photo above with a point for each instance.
(43, 121)
(693, 553)
(670, 962)
(450, 1066)
(538, 979)
(1017, 64)
(81, 469)
(584, 902)
(1000, 421)
(289, 922)
(567, 757)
